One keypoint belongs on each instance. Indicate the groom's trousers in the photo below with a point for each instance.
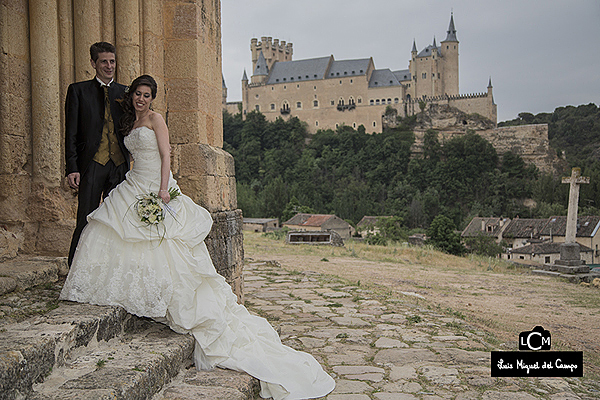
(95, 184)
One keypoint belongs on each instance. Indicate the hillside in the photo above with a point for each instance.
(351, 173)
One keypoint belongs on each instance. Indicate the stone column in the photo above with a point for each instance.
(108, 20)
(45, 92)
(127, 29)
(87, 30)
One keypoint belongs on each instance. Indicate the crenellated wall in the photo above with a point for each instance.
(45, 47)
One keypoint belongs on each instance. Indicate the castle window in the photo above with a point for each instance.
(353, 72)
(351, 81)
(256, 96)
(316, 123)
(377, 102)
(284, 86)
(359, 100)
(361, 71)
(396, 100)
(272, 106)
(257, 107)
(277, 80)
(354, 125)
(300, 77)
(374, 124)
(340, 82)
(315, 75)
(291, 78)
(389, 101)
(314, 87)
(371, 102)
(306, 76)
(424, 75)
(315, 103)
(299, 104)
(332, 103)
(297, 86)
(391, 81)
(438, 75)
(376, 83)
(336, 126)
(447, 47)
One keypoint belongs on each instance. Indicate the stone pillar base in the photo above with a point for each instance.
(225, 244)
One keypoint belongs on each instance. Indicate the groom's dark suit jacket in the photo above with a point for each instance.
(84, 111)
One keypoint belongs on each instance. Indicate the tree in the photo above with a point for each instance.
(441, 235)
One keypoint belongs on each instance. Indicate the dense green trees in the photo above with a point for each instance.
(351, 173)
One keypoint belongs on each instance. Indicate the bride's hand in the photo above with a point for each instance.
(164, 195)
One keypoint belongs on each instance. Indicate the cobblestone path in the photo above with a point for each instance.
(384, 346)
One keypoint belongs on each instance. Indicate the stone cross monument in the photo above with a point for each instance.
(570, 260)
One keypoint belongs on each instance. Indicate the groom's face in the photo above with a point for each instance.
(105, 66)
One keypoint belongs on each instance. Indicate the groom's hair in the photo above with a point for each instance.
(101, 47)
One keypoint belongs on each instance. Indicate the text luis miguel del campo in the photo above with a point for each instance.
(534, 358)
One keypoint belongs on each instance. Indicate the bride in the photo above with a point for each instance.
(163, 270)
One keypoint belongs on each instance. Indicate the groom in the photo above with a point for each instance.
(96, 158)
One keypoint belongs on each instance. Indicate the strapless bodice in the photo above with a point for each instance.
(141, 143)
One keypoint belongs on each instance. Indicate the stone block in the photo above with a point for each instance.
(10, 243)
(183, 21)
(54, 238)
(183, 95)
(185, 127)
(49, 204)
(181, 59)
(201, 159)
(569, 251)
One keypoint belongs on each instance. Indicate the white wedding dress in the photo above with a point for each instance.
(120, 261)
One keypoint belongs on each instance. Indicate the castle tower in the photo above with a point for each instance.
(272, 50)
(261, 70)
(244, 94)
(449, 52)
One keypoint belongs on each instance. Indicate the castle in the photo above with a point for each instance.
(327, 93)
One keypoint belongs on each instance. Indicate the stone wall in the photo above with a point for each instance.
(528, 141)
(45, 47)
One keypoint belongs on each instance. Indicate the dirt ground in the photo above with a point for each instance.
(501, 301)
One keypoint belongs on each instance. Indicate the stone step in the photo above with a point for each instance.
(128, 367)
(31, 349)
(83, 352)
(218, 384)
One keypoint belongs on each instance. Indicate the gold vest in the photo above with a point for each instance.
(109, 145)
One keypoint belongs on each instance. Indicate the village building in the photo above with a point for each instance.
(587, 232)
(320, 222)
(544, 253)
(522, 231)
(492, 227)
(327, 93)
(261, 224)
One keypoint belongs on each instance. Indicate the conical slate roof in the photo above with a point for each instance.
(261, 65)
(451, 31)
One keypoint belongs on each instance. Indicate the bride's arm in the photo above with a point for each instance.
(164, 149)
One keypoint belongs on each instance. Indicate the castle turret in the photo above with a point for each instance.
(224, 91)
(261, 71)
(449, 51)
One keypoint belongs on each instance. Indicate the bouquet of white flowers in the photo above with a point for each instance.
(151, 209)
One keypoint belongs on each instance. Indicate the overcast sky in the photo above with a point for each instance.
(540, 54)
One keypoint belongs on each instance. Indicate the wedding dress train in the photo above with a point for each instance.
(167, 273)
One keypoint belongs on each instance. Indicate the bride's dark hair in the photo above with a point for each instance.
(128, 118)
